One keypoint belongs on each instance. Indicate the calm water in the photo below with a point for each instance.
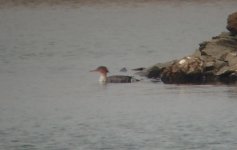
(50, 101)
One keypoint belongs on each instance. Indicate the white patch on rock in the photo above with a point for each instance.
(182, 61)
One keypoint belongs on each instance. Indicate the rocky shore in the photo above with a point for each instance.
(215, 61)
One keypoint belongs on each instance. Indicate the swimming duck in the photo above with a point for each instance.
(113, 79)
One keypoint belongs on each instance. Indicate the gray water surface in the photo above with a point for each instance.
(50, 101)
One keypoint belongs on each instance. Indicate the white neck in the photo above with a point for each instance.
(102, 78)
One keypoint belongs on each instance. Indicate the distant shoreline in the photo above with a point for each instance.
(92, 2)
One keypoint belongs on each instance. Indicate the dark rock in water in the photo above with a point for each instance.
(214, 61)
(123, 69)
(154, 71)
(232, 23)
(138, 69)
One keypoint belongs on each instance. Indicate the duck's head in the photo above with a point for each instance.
(103, 73)
(101, 70)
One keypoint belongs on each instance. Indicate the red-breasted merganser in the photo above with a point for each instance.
(113, 79)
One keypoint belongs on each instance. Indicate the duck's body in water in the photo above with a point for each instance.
(113, 79)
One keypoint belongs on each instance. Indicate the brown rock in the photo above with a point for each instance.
(232, 23)
(214, 61)
(186, 70)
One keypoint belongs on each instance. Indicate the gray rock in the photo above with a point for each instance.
(124, 69)
(214, 61)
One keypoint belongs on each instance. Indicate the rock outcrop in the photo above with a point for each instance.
(232, 23)
(214, 61)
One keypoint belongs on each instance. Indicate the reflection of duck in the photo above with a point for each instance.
(113, 79)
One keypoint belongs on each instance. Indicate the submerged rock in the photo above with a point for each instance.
(214, 61)
(123, 69)
(139, 69)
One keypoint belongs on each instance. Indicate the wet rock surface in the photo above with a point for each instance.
(215, 61)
